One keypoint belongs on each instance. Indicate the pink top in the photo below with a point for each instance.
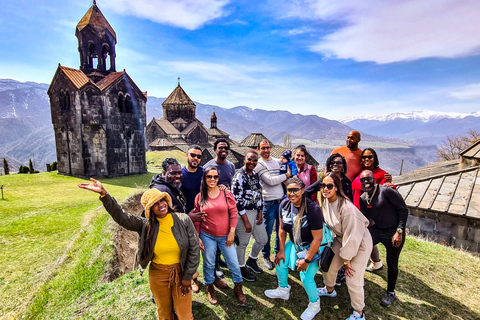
(216, 222)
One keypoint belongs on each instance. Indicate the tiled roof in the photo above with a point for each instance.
(78, 78)
(179, 120)
(109, 79)
(192, 127)
(254, 139)
(472, 151)
(445, 187)
(95, 18)
(167, 126)
(217, 133)
(178, 96)
(161, 142)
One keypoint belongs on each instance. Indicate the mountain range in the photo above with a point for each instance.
(26, 131)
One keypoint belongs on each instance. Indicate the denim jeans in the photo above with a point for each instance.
(229, 253)
(270, 216)
(307, 276)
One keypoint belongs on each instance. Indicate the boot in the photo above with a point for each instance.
(220, 283)
(238, 290)
(212, 296)
(195, 285)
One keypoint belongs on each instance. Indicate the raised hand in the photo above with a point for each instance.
(95, 186)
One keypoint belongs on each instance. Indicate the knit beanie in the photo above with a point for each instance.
(287, 155)
(152, 196)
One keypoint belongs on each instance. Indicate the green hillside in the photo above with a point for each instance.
(57, 250)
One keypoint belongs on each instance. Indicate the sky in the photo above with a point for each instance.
(332, 58)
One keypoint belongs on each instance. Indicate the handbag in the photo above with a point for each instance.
(325, 249)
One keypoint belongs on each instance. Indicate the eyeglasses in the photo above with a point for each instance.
(295, 191)
(366, 179)
(252, 159)
(336, 162)
(194, 155)
(329, 186)
(368, 157)
(215, 177)
(222, 148)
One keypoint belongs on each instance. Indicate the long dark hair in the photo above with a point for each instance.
(376, 164)
(204, 186)
(147, 251)
(338, 184)
(329, 161)
(301, 211)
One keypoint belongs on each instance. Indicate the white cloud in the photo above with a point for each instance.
(386, 31)
(188, 14)
(469, 92)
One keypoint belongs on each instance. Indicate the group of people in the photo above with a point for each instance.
(216, 209)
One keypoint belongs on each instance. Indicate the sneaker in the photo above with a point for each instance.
(375, 266)
(388, 299)
(323, 292)
(268, 264)
(247, 276)
(253, 266)
(279, 293)
(219, 273)
(356, 316)
(312, 309)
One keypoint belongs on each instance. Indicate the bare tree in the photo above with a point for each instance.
(451, 147)
(6, 170)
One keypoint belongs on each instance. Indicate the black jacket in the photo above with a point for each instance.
(179, 201)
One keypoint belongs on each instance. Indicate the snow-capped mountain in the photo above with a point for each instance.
(427, 127)
(424, 116)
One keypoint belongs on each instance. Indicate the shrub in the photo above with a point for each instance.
(53, 166)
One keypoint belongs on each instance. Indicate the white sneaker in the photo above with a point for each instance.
(311, 311)
(279, 293)
(323, 292)
(356, 316)
(375, 266)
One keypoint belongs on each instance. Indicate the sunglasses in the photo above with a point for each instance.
(222, 148)
(336, 162)
(366, 179)
(368, 157)
(293, 191)
(194, 155)
(215, 177)
(252, 160)
(329, 186)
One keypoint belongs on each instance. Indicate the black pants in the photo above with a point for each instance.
(393, 253)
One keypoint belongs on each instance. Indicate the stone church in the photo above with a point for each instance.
(98, 114)
(179, 128)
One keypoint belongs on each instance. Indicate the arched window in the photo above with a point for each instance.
(121, 102)
(128, 104)
(92, 55)
(104, 60)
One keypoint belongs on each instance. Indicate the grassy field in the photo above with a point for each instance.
(57, 247)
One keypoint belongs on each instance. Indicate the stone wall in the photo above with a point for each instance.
(452, 230)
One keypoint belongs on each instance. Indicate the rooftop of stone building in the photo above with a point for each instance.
(253, 139)
(95, 18)
(451, 187)
(178, 96)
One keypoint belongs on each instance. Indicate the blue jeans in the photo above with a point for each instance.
(307, 277)
(270, 215)
(229, 253)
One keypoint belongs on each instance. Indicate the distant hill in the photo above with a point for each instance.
(26, 130)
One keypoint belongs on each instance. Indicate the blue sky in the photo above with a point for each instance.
(331, 58)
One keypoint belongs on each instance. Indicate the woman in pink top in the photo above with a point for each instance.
(217, 230)
(305, 172)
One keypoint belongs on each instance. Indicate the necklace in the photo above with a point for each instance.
(369, 199)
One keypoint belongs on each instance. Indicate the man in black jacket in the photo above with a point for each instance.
(388, 213)
(170, 181)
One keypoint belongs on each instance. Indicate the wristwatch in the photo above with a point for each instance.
(399, 230)
(306, 260)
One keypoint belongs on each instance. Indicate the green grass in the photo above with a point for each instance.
(44, 222)
(57, 246)
(155, 158)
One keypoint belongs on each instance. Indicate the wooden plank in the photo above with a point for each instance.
(470, 194)
(436, 193)
(424, 192)
(449, 203)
